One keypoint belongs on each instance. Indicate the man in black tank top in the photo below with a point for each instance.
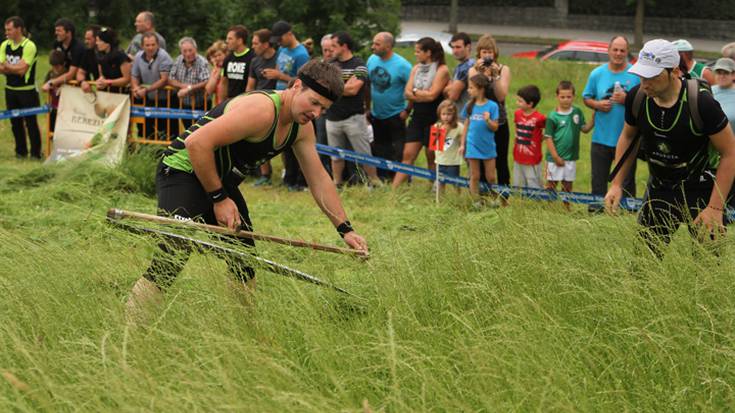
(685, 180)
(198, 177)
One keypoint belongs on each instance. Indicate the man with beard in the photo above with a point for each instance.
(677, 124)
(72, 49)
(388, 73)
(346, 123)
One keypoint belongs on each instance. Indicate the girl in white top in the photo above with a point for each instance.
(448, 158)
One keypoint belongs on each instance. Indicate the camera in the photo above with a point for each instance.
(487, 62)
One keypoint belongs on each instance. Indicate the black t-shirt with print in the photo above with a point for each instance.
(236, 70)
(676, 152)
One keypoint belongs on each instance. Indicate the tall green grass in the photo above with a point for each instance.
(526, 308)
(523, 308)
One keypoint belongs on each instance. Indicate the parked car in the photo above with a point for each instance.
(573, 50)
(409, 39)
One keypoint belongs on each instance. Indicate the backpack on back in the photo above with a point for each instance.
(693, 88)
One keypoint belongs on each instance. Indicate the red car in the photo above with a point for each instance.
(572, 50)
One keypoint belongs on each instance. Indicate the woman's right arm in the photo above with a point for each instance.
(463, 139)
(211, 86)
(437, 86)
(408, 90)
(501, 85)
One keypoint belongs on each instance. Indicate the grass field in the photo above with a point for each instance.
(526, 308)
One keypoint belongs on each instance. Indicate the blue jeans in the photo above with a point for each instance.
(449, 170)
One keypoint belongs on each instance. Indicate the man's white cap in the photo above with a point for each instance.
(655, 56)
(683, 45)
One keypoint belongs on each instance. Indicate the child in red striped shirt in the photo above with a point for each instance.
(527, 151)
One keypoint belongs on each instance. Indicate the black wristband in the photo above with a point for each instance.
(344, 228)
(218, 195)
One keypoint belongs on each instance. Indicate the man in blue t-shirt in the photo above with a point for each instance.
(291, 56)
(388, 73)
(605, 93)
(456, 89)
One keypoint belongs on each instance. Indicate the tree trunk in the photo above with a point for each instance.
(638, 23)
(453, 6)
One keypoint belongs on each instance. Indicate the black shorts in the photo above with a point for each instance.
(181, 196)
(664, 209)
(418, 131)
(389, 130)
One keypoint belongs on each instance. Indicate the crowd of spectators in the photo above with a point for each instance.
(389, 108)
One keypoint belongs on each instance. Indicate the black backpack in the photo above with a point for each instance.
(693, 88)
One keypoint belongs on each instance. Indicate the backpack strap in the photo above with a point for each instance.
(638, 103)
(637, 110)
(693, 99)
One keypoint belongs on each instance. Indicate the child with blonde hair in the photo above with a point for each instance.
(448, 157)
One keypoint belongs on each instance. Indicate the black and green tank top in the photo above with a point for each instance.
(675, 150)
(243, 154)
(13, 54)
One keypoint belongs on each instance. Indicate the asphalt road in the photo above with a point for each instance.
(507, 49)
(544, 32)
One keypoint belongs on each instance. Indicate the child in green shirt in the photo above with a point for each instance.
(563, 126)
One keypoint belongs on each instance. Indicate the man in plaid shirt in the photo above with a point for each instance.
(189, 74)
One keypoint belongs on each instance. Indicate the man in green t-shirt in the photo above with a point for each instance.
(18, 64)
(697, 70)
(561, 135)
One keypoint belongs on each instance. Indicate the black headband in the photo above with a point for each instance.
(317, 87)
